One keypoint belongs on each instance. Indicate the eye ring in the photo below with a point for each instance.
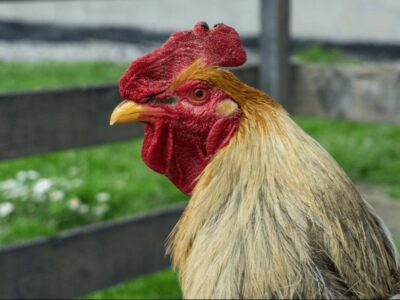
(198, 95)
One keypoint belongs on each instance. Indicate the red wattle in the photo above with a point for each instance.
(180, 156)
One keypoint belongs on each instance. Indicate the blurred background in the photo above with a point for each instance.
(341, 83)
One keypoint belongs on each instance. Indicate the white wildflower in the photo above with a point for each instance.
(27, 174)
(74, 203)
(56, 195)
(6, 208)
(103, 197)
(42, 186)
(22, 176)
(18, 192)
(100, 210)
(83, 209)
(12, 188)
(9, 184)
(32, 174)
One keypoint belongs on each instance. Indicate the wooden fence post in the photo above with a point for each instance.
(274, 42)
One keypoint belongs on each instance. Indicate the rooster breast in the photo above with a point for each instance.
(274, 216)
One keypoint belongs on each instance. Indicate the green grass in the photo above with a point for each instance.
(160, 285)
(368, 152)
(33, 75)
(317, 54)
(115, 169)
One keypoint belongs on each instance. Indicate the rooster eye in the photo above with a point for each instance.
(198, 95)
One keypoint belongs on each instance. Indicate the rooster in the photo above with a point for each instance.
(271, 213)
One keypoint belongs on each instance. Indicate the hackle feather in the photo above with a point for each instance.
(274, 216)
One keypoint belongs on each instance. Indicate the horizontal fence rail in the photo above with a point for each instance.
(91, 258)
(44, 121)
(33, 122)
(87, 259)
(79, 261)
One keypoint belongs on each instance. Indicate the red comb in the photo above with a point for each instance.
(152, 73)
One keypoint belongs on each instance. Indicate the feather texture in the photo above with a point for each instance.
(274, 216)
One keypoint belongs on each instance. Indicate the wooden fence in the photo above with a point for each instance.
(87, 259)
(94, 257)
(79, 261)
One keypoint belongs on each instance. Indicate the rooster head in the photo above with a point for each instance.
(176, 91)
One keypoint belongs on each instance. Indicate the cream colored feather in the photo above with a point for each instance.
(274, 216)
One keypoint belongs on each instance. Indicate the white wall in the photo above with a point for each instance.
(362, 20)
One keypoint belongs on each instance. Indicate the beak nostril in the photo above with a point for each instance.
(168, 100)
(149, 99)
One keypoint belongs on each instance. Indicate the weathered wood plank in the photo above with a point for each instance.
(41, 121)
(87, 259)
(274, 53)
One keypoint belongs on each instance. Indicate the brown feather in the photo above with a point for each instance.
(274, 216)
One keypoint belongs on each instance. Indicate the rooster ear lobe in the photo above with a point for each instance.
(226, 107)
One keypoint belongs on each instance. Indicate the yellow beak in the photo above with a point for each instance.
(130, 111)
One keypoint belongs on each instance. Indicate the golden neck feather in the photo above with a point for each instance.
(274, 216)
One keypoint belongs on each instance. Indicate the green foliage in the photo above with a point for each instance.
(160, 285)
(317, 54)
(29, 75)
(394, 191)
(368, 152)
(114, 177)
(85, 177)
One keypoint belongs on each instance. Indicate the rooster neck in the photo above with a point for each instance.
(273, 216)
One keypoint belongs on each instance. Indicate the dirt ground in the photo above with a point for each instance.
(388, 209)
